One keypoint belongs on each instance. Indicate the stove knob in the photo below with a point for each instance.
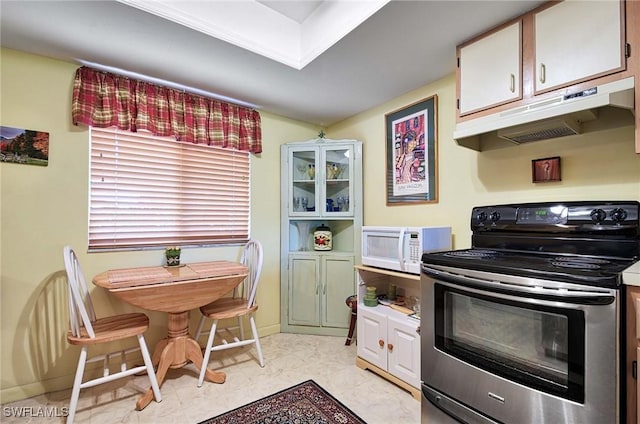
(598, 215)
(618, 215)
(495, 216)
(482, 216)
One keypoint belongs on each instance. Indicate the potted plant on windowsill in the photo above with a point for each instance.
(172, 254)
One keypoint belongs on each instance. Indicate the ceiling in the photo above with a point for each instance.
(314, 61)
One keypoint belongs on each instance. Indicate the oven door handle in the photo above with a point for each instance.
(582, 297)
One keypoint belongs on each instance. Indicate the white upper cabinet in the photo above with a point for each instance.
(490, 70)
(576, 41)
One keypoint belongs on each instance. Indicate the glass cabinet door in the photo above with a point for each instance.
(303, 174)
(337, 189)
(321, 181)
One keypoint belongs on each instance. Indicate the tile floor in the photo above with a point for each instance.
(289, 359)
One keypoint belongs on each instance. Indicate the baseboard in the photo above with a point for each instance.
(316, 331)
(363, 364)
(25, 391)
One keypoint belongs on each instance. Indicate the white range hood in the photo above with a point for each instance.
(605, 106)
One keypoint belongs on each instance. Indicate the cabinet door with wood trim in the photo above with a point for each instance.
(632, 352)
(490, 70)
(637, 391)
(576, 41)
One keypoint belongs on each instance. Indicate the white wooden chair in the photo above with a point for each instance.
(87, 330)
(241, 304)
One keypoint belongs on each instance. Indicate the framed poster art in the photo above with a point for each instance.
(412, 153)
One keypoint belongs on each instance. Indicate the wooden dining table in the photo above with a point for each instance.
(174, 290)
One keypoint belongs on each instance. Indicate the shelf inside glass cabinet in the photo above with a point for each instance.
(301, 234)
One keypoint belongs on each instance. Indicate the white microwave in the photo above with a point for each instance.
(401, 248)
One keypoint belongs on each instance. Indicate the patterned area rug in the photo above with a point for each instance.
(304, 403)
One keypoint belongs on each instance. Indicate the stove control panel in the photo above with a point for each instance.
(558, 217)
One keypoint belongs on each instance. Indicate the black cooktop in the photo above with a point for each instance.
(582, 242)
(579, 269)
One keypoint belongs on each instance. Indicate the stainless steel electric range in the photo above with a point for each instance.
(524, 327)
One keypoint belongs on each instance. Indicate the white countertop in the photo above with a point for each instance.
(631, 276)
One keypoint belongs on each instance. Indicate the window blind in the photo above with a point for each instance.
(154, 191)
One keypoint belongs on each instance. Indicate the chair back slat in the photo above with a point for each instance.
(252, 258)
(81, 311)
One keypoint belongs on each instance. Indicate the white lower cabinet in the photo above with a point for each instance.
(389, 344)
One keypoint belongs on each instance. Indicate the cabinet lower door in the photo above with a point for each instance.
(637, 389)
(304, 288)
(404, 350)
(372, 336)
(338, 279)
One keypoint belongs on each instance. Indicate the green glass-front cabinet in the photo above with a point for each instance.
(321, 185)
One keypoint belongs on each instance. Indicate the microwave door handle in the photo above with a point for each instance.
(401, 248)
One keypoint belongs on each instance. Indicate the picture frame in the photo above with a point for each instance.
(546, 170)
(24, 147)
(412, 153)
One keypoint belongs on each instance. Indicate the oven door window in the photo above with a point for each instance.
(541, 347)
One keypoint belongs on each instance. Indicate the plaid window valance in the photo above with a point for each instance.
(103, 99)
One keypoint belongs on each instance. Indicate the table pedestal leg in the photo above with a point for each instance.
(194, 353)
(175, 352)
(157, 352)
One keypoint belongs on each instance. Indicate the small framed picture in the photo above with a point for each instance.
(545, 170)
(22, 146)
